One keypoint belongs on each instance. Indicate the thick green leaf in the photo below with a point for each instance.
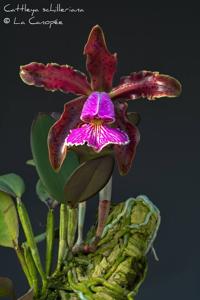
(44, 196)
(9, 228)
(88, 179)
(27, 296)
(12, 184)
(42, 192)
(54, 182)
(6, 288)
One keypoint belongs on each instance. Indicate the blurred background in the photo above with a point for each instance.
(154, 37)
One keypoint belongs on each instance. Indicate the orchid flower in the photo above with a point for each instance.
(98, 117)
(98, 110)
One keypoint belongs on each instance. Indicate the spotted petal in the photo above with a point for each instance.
(69, 119)
(101, 64)
(55, 77)
(96, 136)
(125, 154)
(146, 84)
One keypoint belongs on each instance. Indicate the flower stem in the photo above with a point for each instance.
(32, 269)
(103, 211)
(81, 219)
(106, 192)
(28, 231)
(24, 266)
(62, 248)
(104, 207)
(71, 226)
(49, 240)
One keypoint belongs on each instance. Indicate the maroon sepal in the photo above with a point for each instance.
(100, 63)
(125, 154)
(146, 84)
(69, 119)
(55, 77)
(103, 211)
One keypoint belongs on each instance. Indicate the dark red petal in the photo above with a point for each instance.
(146, 84)
(69, 119)
(55, 77)
(100, 63)
(125, 154)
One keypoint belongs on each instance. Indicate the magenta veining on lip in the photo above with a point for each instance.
(97, 114)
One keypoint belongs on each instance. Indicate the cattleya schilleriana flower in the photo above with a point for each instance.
(98, 118)
(97, 111)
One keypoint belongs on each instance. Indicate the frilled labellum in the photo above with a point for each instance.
(97, 115)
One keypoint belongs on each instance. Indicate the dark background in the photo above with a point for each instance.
(158, 37)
